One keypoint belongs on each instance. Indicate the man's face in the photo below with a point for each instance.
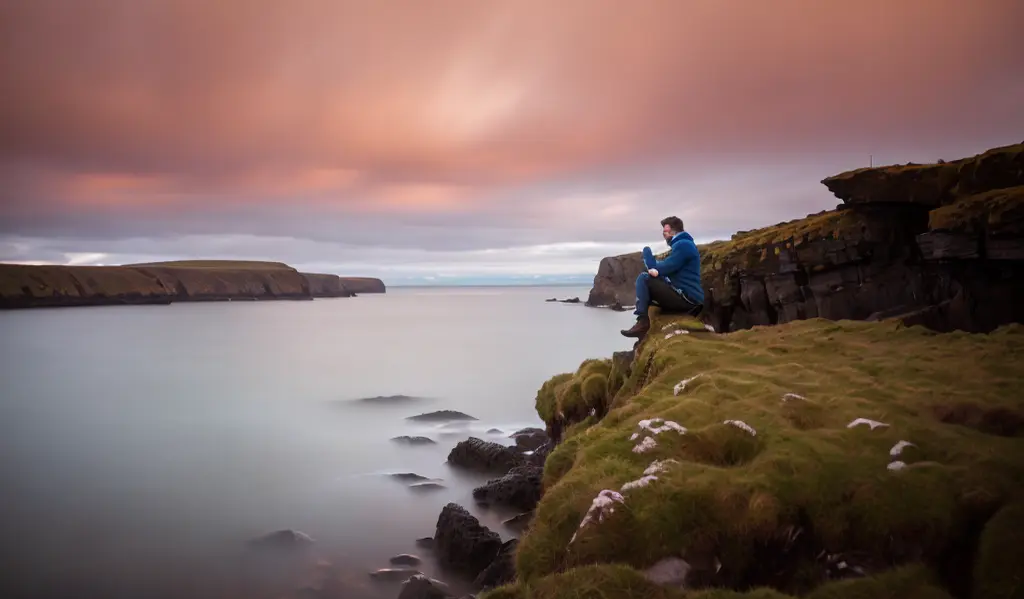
(667, 232)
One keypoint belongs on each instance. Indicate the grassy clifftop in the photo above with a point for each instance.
(777, 459)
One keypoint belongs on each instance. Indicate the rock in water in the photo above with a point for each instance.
(519, 522)
(529, 439)
(462, 543)
(477, 454)
(441, 416)
(426, 487)
(409, 476)
(425, 542)
(421, 587)
(414, 440)
(502, 570)
(282, 539)
(521, 488)
(406, 559)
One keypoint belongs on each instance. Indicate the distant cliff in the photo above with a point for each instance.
(165, 282)
(937, 244)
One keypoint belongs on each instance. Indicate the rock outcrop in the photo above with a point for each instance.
(462, 543)
(23, 286)
(363, 285)
(520, 488)
(485, 456)
(940, 245)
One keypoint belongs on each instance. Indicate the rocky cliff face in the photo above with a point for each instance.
(615, 280)
(940, 245)
(159, 283)
(363, 285)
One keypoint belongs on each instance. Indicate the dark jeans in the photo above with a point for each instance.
(651, 290)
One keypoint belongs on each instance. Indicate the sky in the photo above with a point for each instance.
(467, 141)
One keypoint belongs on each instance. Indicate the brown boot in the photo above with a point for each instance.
(643, 324)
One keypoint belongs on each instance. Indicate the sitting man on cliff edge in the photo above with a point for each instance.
(673, 283)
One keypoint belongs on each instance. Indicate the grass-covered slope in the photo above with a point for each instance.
(765, 473)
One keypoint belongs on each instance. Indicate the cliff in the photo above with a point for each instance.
(939, 244)
(162, 283)
(822, 459)
(363, 285)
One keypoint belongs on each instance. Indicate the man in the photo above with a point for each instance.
(672, 283)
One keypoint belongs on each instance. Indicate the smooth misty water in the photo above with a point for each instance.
(140, 447)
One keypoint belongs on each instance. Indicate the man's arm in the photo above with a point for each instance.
(680, 255)
(649, 260)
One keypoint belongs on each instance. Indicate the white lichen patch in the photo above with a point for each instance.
(602, 507)
(671, 571)
(646, 445)
(742, 426)
(897, 465)
(790, 396)
(872, 423)
(656, 426)
(669, 326)
(640, 482)
(681, 385)
(677, 332)
(658, 466)
(899, 447)
(709, 328)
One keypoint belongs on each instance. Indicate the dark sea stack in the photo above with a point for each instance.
(521, 488)
(462, 543)
(485, 456)
(441, 416)
(939, 245)
(24, 286)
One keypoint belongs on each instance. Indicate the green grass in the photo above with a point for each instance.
(1001, 210)
(741, 498)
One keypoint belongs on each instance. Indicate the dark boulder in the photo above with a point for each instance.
(529, 439)
(485, 456)
(462, 543)
(502, 570)
(406, 559)
(521, 488)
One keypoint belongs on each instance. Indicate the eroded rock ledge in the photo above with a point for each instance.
(24, 286)
(940, 245)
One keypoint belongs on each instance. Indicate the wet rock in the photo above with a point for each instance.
(406, 559)
(529, 439)
(441, 416)
(462, 543)
(495, 431)
(421, 587)
(409, 477)
(407, 440)
(521, 488)
(502, 570)
(520, 521)
(282, 539)
(389, 399)
(425, 542)
(428, 487)
(571, 300)
(485, 456)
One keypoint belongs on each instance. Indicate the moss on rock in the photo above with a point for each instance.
(999, 568)
(765, 448)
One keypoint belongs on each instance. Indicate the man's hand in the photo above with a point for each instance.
(653, 272)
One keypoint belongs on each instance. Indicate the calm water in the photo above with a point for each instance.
(140, 447)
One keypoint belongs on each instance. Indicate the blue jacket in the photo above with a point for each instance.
(681, 268)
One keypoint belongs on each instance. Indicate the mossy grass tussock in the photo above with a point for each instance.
(777, 460)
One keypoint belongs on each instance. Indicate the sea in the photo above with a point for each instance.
(143, 447)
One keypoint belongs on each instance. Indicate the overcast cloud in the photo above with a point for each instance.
(469, 139)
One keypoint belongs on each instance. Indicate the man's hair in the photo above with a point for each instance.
(673, 221)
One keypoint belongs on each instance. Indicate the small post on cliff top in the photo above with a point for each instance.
(871, 160)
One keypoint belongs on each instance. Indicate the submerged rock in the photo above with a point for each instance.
(406, 559)
(389, 399)
(421, 587)
(495, 431)
(462, 543)
(502, 570)
(409, 476)
(282, 539)
(441, 416)
(407, 440)
(426, 487)
(521, 488)
(477, 454)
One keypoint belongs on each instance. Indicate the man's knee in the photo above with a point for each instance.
(643, 278)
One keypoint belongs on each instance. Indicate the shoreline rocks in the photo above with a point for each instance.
(462, 543)
(407, 440)
(520, 488)
(441, 416)
(485, 456)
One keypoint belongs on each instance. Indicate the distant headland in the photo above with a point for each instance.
(24, 286)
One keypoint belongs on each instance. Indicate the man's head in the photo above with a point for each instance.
(671, 226)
